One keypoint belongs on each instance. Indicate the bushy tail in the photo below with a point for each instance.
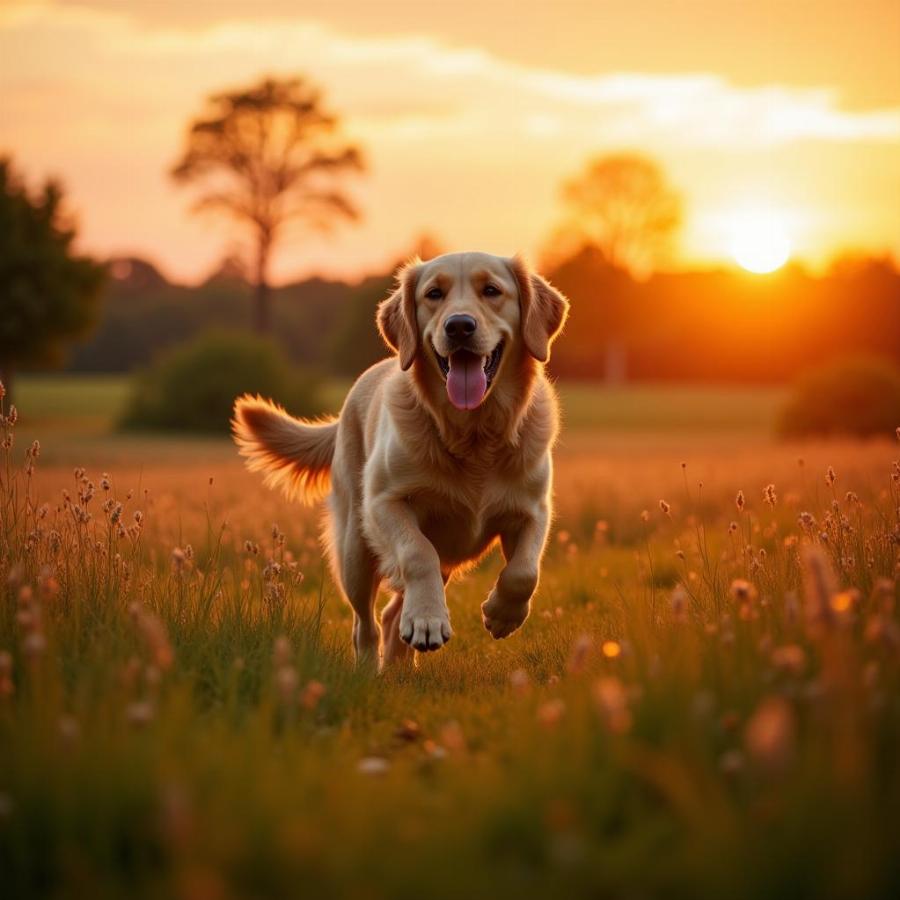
(294, 454)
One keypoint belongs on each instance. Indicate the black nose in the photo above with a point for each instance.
(458, 328)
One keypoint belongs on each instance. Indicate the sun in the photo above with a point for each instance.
(759, 242)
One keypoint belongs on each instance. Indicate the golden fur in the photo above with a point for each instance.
(419, 488)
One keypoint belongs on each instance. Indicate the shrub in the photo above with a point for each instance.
(856, 395)
(192, 388)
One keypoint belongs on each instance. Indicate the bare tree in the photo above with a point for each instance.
(623, 205)
(266, 156)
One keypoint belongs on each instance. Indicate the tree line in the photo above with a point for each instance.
(273, 157)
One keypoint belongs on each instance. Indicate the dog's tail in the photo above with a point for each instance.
(294, 454)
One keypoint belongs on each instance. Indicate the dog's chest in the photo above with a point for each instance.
(461, 524)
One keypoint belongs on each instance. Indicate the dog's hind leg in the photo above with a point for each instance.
(395, 650)
(360, 579)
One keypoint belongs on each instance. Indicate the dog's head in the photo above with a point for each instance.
(466, 315)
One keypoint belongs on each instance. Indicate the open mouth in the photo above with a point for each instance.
(469, 375)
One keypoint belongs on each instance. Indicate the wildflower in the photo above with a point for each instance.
(12, 416)
(770, 734)
(729, 721)
(35, 450)
(152, 677)
(550, 713)
(739, 501)
(611, 649)
(579, 654)
(7, 687)
(790, 659)
(373, 765)
(769, 495)
(742, 591)
(844, 601)
(819, 586)
(452, 737)
(286, 682)
(807, 522)
(408, 731)
(519, 681)
(34, 645)
(105, 484)
(116, 514)
(153, 631)
(312, 694)
(69, 729)
(731, 763)
(830, 477)
(732, 527)
(678, 603)
(138, 517)
(140, 713)
(664, 507)
(434, 750)
(282, 652)
(612, 704)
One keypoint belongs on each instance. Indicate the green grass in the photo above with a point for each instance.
(82, 402)
(157, 739)
(676, 408)
(95, 402)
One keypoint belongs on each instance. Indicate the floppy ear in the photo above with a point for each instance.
(397, 316)
(544, 310)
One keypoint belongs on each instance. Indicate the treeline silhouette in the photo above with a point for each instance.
(710, 325)
(723, 324)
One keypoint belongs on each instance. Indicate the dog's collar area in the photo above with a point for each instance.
(491, 362)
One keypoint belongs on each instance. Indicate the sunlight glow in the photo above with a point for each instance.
(759, 242)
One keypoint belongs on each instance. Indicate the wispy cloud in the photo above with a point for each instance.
(456, 126)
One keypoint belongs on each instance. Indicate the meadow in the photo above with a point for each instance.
(704, 702)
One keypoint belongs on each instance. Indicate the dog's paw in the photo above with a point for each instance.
(501, 618)
(425, 632)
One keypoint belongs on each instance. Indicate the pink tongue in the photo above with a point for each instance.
(466, 383)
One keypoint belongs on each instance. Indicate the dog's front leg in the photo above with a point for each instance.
(410, 559)
(508, 604)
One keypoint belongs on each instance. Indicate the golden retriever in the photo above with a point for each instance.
(437, 452)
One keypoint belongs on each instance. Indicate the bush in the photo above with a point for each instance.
(855, 395)
(192, 388)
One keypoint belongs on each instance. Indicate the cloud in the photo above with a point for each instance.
(105, 99)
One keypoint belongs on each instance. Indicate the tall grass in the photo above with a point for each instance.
(705, 701)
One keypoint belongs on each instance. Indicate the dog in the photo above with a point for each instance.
(438, 453)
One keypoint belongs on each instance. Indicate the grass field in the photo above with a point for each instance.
(695, 708)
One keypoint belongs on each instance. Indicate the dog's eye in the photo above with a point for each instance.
(434, 293)
(491, 290)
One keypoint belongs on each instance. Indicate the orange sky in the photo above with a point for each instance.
(471, 114)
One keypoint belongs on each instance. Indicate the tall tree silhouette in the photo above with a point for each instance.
(268, 155)
(48, 293)
(623, 205)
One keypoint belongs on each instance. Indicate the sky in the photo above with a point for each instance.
(471, 115)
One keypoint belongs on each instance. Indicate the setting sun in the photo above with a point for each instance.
(759, 242)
